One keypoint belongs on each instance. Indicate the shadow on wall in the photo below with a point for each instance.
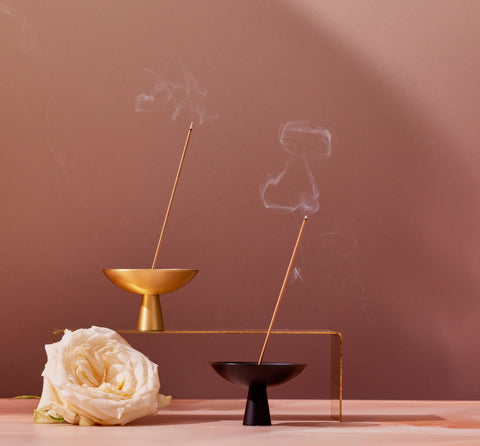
(394, 187)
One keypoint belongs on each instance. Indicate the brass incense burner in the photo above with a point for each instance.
(150, 283)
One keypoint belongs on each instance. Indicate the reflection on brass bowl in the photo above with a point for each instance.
(150, 283)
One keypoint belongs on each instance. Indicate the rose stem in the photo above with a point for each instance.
(172, 195)
(282, 290)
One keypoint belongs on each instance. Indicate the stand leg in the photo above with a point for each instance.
(336, 358)
(257, 412)
(150, 317)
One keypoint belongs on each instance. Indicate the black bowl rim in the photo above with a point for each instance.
(250, 363)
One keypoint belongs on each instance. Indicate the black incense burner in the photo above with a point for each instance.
(257, 377)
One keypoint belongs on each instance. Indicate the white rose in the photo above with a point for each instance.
(94, 376)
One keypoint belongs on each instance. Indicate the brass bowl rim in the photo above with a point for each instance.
(150, 281)
(149, 269)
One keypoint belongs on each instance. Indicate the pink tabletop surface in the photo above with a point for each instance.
(302, 422)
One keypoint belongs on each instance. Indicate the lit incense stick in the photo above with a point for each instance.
(282, 290)
(171, 196)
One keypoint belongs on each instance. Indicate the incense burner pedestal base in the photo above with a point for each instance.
(150, 317)
(257, 411)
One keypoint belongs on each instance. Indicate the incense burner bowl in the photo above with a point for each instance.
(257, 377)
(150, 283)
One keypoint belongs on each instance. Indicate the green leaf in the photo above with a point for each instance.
(58, 418)
(25, 397)
(44, 417)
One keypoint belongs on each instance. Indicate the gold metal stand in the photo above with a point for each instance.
(336, 353)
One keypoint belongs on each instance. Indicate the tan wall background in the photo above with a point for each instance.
(391, 259)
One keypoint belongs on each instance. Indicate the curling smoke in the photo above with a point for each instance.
(296, 274)
(294, 187)
(6, 9)
(185, 96)
(26, 31)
